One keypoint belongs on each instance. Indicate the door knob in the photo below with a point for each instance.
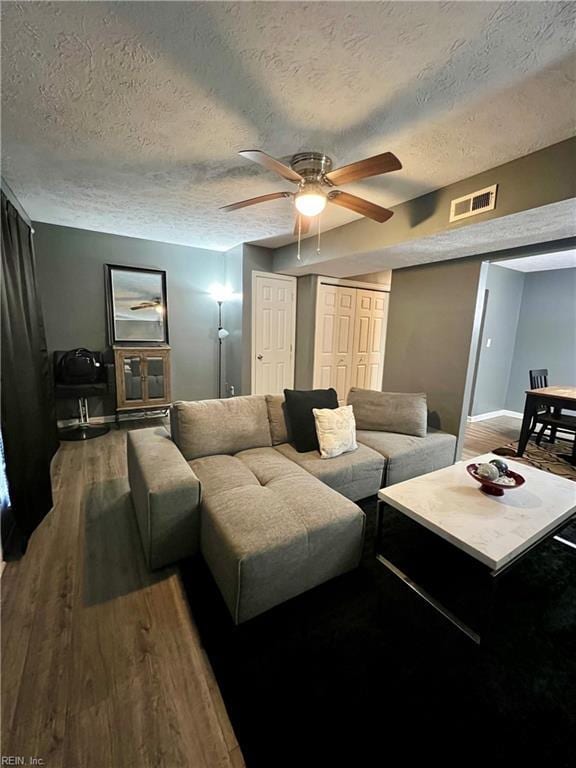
(259, 357)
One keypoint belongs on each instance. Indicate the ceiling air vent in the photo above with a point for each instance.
(473, 204)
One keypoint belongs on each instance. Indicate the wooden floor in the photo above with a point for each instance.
(102, 666)
(484, 436)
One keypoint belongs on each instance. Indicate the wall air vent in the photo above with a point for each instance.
(473, 204)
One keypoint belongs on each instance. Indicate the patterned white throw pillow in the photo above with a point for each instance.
(336, 430)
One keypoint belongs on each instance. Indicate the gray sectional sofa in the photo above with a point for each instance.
(270, 522)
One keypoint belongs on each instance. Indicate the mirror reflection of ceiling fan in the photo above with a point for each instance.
(313, 173)
(155, 303)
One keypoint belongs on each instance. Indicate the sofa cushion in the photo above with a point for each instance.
(275, 535)
(299, 405)
(210, 427)
(336, 431)
(268, 465)
(355, 475)
(389, 411)
(408, 456)
(221, 473)
(277, 417)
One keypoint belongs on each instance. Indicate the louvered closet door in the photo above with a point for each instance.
(369, 339)
(334, 338)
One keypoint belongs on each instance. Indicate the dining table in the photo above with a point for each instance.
(555, 397)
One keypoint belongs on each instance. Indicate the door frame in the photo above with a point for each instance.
(289, 279)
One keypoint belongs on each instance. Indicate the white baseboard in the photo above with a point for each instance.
(130, 416)
(494, 415)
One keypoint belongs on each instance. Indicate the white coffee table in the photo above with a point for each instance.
(495, 530)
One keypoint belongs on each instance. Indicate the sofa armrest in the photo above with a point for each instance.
(166, 497)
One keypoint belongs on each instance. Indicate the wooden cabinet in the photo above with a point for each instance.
(142, 378)
(349, 339)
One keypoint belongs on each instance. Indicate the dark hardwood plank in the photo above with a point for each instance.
(485, 436)
(102, 664)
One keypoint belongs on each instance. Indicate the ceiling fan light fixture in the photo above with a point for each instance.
(310, 201)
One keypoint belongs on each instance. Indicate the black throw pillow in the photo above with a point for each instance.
(299, 404)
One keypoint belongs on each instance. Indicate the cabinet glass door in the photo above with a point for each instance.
(156, 378)
(132, 378)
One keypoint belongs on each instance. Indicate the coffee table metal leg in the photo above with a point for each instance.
(564, 541)
(436, 604)
(378, 524)
(491, 605)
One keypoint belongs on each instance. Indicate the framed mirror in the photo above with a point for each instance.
(137, 305)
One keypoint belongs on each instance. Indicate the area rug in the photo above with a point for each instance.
(545, 456)
(361, 672)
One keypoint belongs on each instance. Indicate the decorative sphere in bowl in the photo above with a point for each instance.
(494, 486)
(487, 471)
(500, 465)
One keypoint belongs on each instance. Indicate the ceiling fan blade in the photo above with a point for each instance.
(358, 205)
(371, 166)
(305, 224)
(146, 305)
(255, 201)
(271, 164)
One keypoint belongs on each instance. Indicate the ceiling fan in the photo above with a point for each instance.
(155, 303)
(313, 173)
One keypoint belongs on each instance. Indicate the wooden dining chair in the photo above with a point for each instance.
(538, 378)
(548, 417)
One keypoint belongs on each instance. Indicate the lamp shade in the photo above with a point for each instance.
(221, 293)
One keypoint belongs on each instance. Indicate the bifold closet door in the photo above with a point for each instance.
(369, 339)
(334, 338)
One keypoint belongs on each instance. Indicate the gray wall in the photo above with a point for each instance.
(546, 336)
(240, 262)
(504, 297)
(433, 326)
(71, 280)
(254, 258)
(305, 331)
(232, 321)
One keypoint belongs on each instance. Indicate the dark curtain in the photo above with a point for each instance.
(29, 431)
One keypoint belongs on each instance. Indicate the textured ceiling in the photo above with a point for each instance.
(126, 117)
(542, 262)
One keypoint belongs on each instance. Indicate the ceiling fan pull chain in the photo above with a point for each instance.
(318, 246)
(299, 236)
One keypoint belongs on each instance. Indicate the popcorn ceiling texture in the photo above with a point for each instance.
(126, 117)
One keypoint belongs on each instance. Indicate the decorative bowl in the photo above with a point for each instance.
(493, 487)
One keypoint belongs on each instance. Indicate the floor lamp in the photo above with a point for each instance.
(220, 293)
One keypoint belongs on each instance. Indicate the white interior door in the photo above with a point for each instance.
(334, 338)
(273, 332)
(369, 339)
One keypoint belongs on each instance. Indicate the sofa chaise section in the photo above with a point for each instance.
(271, 531)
